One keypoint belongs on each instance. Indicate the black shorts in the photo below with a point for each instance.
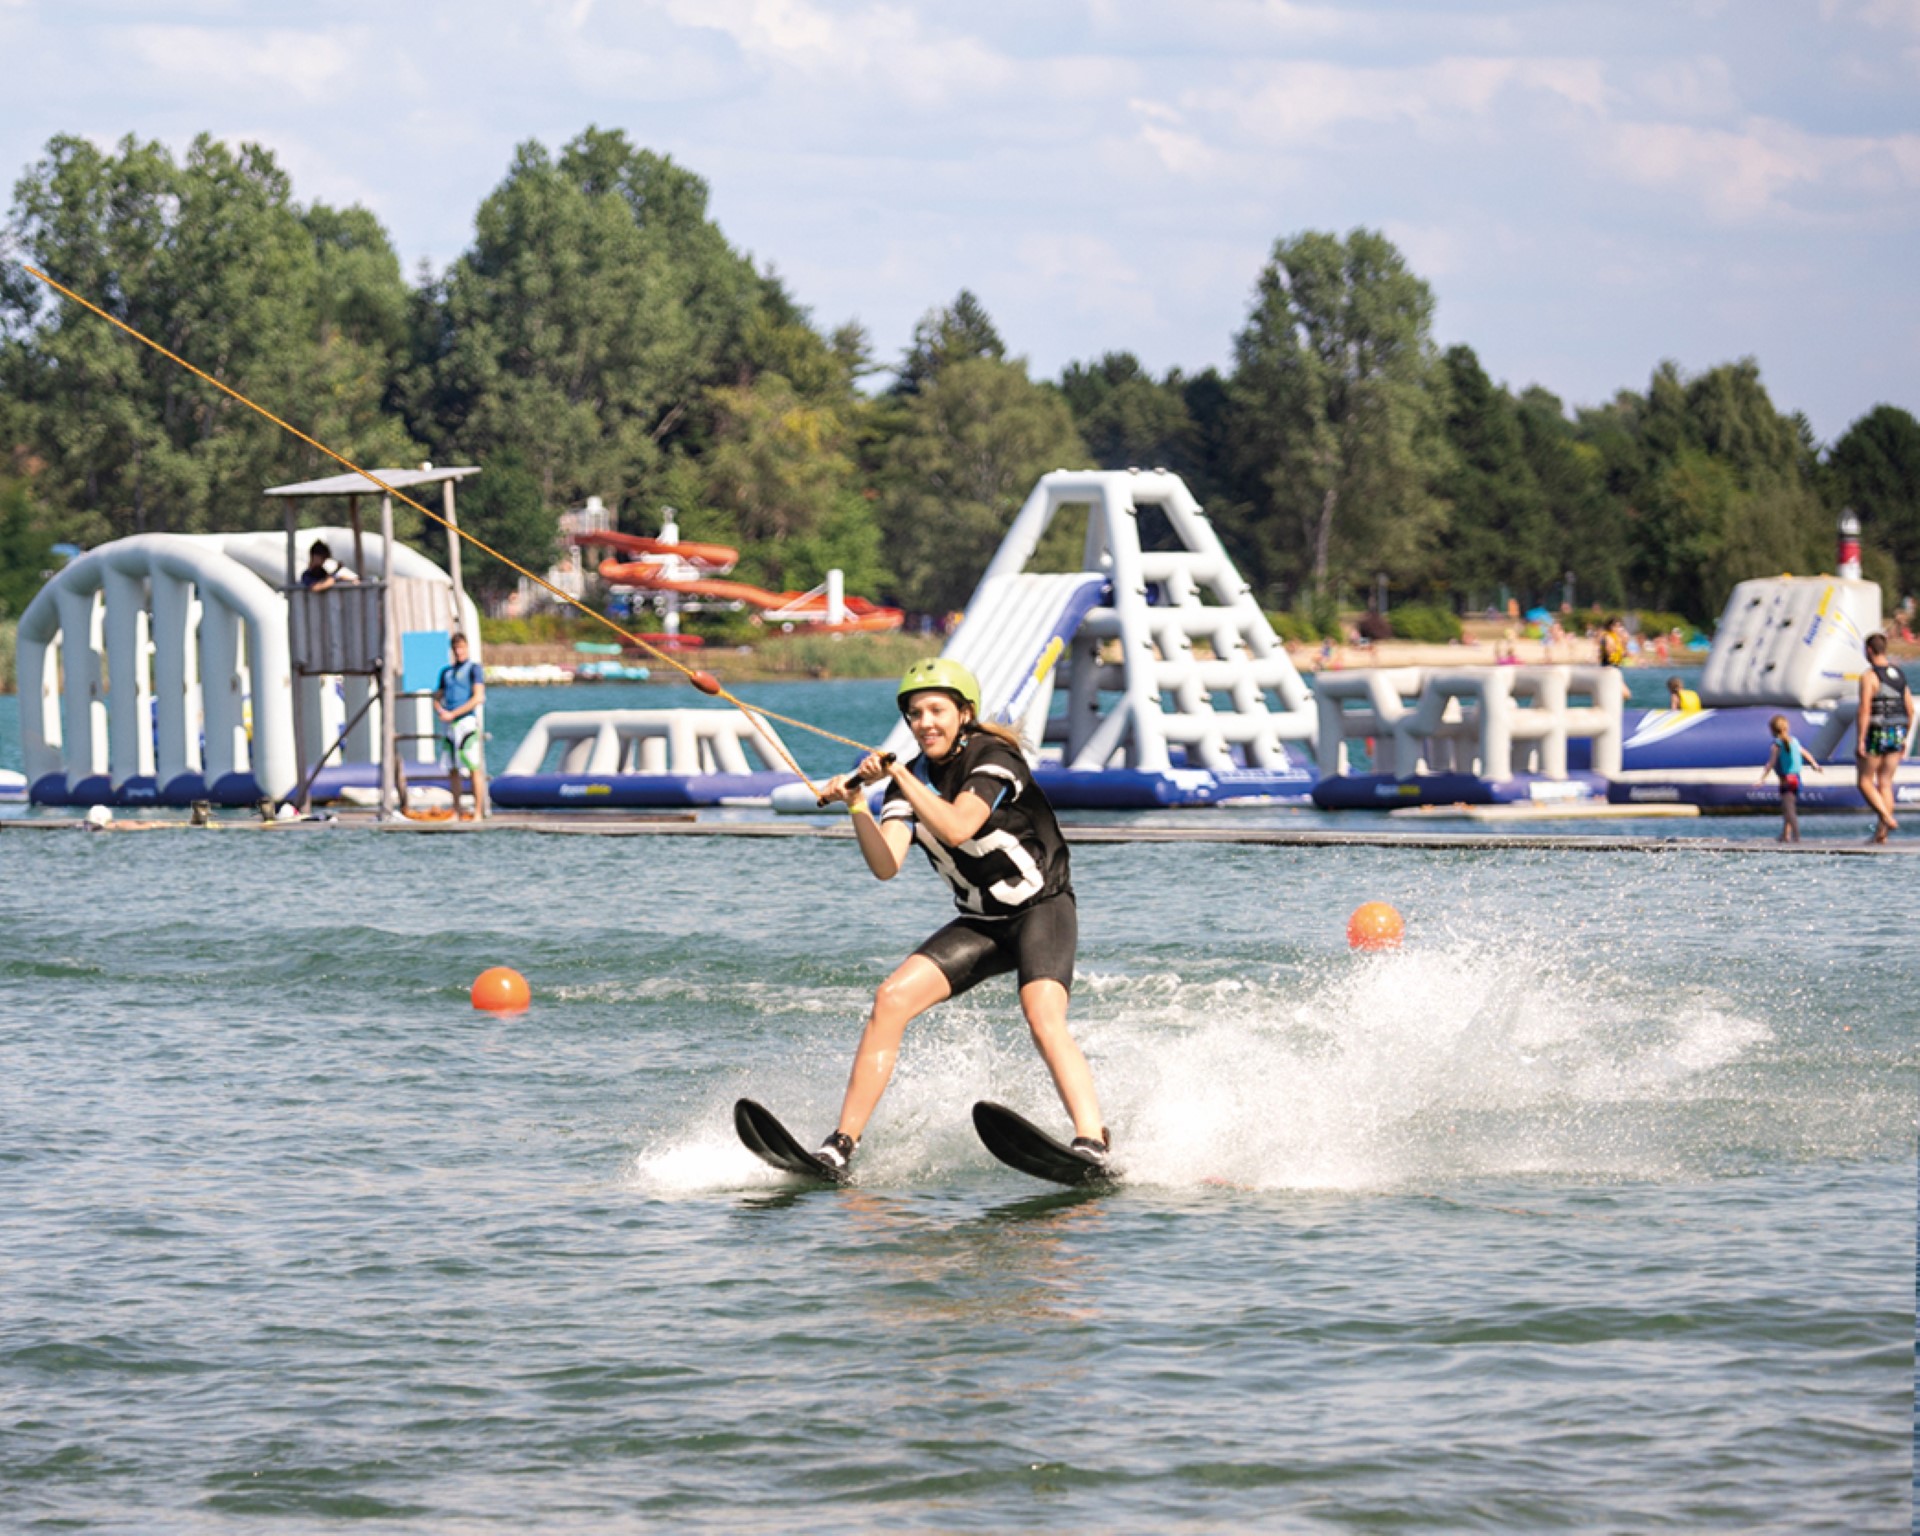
(1038, 942)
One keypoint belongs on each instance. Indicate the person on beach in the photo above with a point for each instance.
(1885, 726)
(1787, 759)
(1682, 698)
(457, 699)
(1613, 644)
(971, 803)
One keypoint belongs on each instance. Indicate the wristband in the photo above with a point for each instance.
(858, 806)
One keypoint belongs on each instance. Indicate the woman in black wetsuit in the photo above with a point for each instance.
(970, 801)
(1884, 726)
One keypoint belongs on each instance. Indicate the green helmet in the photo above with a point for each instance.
(938, 672)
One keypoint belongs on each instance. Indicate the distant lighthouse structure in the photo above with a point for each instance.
(1849, 569)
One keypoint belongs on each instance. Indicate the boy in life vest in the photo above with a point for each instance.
(969, 800)
(1788, 758)
(458, 697)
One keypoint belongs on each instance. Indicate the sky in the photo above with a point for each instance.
(1588, 188)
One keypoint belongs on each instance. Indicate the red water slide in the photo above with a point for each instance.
(650, 574)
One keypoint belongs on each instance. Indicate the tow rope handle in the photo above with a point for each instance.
(887, 760)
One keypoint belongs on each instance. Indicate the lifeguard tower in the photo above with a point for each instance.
(384, 633)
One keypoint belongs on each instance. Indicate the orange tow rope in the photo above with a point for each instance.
(706, 682)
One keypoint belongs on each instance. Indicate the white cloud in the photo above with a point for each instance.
(1165, 134)
(1086, 272)
(1690, 88)
(1758, 168)
(307, 66)
(888, 46)
(1233, 28)
(1901, 15)
(1297, 101)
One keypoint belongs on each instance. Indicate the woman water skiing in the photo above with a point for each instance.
(970, 801)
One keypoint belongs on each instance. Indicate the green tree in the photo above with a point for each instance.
(1726, 490)
(504, 509)
(1689, 502)
(782, 470)
(1129, 419)
(1337, 401)
(968, 447)
(1875, 469)
(1209, 463)
(300, 309)
(1590, 526)
(26, 550)
(595, 311)
(956, 334)
(1502, 533)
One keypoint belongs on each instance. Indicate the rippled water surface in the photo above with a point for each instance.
(1592, 1209)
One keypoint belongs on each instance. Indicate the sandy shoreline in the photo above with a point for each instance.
(747, 665)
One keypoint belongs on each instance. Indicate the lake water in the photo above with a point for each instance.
(1592, 1209)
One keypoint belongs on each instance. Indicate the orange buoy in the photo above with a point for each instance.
(501, 989)
(706, 682)
(1375, 925)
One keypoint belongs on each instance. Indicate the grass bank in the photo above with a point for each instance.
(9, 628)
(800, 655)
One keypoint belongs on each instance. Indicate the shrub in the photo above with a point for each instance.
(1294, 627)
(553, 626)
(1425, 622)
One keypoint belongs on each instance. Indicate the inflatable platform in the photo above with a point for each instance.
(626, 758)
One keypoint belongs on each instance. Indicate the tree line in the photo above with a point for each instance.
(602, 337)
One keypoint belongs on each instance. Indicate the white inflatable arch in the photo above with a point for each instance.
(219, 641)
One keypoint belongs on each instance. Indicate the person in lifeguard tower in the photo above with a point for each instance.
(457, 700)
(971, 803)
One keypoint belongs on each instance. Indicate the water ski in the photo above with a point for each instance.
(1021, 1144)
(770, 1141)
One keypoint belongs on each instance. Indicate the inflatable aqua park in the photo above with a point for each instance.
(174, 669)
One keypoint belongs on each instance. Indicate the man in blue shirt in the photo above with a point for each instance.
(458, 697)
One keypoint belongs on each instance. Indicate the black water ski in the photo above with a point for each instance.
(770, 1141)
(1021, 1144)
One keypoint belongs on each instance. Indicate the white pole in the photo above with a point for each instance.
(836, 597)
(670, 601)
(453, 547)
(389, 625)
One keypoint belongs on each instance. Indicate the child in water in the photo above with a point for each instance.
(1786, 759)
(970, 801)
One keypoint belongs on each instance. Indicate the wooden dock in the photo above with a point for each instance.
(1204, 828)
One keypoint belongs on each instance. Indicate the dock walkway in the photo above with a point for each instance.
(690, 824)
